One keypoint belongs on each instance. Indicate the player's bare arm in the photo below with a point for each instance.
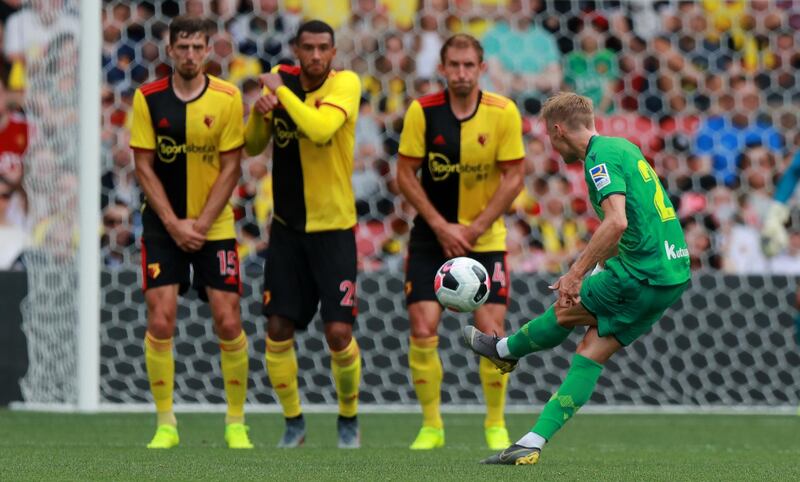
(181, 230)
(258, 130)
(512, 174)
(602, 246)
(230, 171)
(451, 236)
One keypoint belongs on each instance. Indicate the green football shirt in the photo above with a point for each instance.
(652, 248)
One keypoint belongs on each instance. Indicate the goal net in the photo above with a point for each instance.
(50, 311)
(661, 73)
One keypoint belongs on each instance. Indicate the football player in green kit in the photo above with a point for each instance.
(642, 268)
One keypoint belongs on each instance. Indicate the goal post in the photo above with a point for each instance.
(89, 207)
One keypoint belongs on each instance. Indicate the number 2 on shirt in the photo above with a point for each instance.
(665, 212)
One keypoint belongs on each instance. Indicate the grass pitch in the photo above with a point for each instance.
(54, 446)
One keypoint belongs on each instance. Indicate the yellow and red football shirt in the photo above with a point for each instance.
(460, 160)
(312, 183)
(187, 138)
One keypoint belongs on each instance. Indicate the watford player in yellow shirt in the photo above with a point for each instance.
(467, 146)
(187, 137)
(310, 113)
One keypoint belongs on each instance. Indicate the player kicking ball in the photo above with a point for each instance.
(645, 269)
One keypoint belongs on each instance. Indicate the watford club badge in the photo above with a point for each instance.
(208, 121)
(153, 270)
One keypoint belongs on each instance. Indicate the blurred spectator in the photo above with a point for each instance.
(742, 251)
(117, 235)
(13, 144)
(430, 44)
(591, 70)
(119, 183)
(523, 59)
(13, 239)
(333, 12)
(265, 31)
(226, 61)
(402, 12)
(394, 59)
(725, 136)
(702, 252)
(29, 31)
(559, 232)
(758, 167)
(369, 144)
(253, 198)
(788, 262)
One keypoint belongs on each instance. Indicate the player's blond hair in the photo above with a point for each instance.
(569, 108)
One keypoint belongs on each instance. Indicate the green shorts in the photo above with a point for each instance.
(624, 306)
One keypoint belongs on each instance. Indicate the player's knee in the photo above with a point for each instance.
(338, 335)
(228, 327)
(594, 350)
(422, 330)
(562, 318)
(279, 328)
(161, 325)
(422, 327)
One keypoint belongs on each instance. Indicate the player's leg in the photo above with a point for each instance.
(161, 313)
(551, 328)
(424, 313)
(289, 303)
(165, 270)
(346, 372)
(618, 309)
(574, 392)
(282, 371)
(216, 277)
(490, 318)
(234, 361)
(426, 371)
(333, 256)
(541, 333)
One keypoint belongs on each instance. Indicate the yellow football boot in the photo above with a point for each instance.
(236, 436)
(428, 438)
(166, 437)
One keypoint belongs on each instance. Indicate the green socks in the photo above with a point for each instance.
(538, 334)
(571, 395)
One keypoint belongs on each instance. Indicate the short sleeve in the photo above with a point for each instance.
(511, 147)
(345, 93)
(605, 173)
(142, 134)
(412, 139)
(233, 132)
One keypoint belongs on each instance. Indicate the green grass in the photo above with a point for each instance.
(51, 446)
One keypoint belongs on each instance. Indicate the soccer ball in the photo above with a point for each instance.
(461, 284)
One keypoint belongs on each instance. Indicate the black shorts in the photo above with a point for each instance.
(421, 266)
(304, 270)
(215, 265)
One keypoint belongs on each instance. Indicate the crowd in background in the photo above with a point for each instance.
(708, 89)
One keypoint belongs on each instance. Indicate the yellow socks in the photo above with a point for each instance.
(346, 370)
(426, 375)
(161, 373)
(494, 392)
(282, 371)
(234, 372)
